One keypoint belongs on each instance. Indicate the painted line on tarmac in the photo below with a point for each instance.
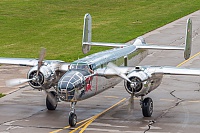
(188, 59)
(194, 101)
(111, 97)
(171, 100)
(58, 130)
(95, 117)
(88, 121)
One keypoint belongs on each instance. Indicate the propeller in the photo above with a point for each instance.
(118, 71)
(15, 82)
(51, 98)
(122, 75)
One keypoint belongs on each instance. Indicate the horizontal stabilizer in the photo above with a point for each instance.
(139, 42)
(160, 47)
(106, 44)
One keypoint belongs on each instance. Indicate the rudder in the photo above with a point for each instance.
(87, 33)
(188, 39)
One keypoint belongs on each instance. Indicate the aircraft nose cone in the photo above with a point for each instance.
(69, 83)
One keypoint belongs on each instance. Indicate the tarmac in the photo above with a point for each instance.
(176, 100)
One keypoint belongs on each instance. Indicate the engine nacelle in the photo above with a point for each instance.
(45, 78)
(140, 83)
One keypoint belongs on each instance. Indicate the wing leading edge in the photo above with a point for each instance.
(19, 61)
(63, 66)
(167, 70)
(149, 70)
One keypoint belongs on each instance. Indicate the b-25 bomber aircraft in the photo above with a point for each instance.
(88, 76)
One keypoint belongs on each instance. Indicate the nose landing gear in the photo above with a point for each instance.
(72, 115)
(72, 119)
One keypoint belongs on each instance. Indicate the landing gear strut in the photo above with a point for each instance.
(147, 106)
(72, 115)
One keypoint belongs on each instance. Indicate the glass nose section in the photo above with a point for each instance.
(70, 91)
(69, 82)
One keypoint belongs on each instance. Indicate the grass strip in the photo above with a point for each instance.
(26, 26)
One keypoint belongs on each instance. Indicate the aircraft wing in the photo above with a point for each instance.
(110, 72)
(19, 61)
(122, 71)
(174, 70)
(61, 65)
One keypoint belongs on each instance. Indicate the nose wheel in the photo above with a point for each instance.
(72, 119)
(147, 107)
(72, 115)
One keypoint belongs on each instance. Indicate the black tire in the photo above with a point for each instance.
(147, 107)
(72, 119)
(49, 105)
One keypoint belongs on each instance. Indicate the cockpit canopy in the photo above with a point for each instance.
(72, 80)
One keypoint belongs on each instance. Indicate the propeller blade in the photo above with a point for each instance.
(14, 82)
(131, 103)
(52, 98)
(41, 58)
(122, 75)
(118, 71)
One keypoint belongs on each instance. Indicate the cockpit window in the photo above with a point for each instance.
(78, 66)
(82, 66)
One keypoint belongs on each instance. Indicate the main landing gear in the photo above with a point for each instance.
(147, 106)
(72, 115)
(51, 100)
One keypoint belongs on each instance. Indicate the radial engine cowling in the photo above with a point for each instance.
(45, 77)
(139, 83)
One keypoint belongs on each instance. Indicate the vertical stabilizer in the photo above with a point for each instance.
(188, 39)
(87, 33)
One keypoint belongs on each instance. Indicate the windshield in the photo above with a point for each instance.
(82, 66)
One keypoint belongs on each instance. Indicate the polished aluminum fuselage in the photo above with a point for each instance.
(119, 56)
